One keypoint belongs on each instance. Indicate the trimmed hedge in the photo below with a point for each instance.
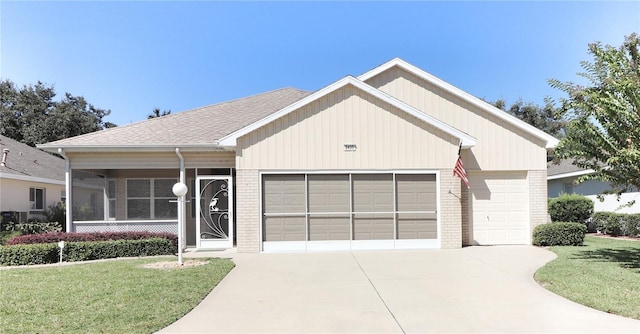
(24, 254)
(570, 208)
(86, 237)
(559, 234)
(617, 224)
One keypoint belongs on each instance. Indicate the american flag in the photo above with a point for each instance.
(459, 171)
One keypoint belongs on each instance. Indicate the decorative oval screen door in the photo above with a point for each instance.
(214, 212)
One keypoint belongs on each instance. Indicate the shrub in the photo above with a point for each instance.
(6, 235)
(57, 213)
(24, 254)
(570, 208)
(94, 236)
(29, 254)
(559, 234)
(34, 226)
(616, 224)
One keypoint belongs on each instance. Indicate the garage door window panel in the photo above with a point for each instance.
(373, 207)
(416, 196)
(328, 207)
(284, 208)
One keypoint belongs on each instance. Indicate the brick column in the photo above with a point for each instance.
(537, 198)
(450, 210)
(247, 211)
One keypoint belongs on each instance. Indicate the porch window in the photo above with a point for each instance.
(150, 199)
(36, 199)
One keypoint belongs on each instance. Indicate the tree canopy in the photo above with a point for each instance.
(157, 113)
(546, 118)
(603, 133)
(32, 116)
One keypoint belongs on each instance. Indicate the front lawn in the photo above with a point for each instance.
(104, 297)
(603, 274)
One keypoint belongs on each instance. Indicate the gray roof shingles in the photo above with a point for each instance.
(200, 126)
(24, 160)
(561, 167)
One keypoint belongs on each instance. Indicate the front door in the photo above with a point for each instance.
(214, 212)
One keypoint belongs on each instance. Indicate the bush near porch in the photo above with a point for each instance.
(93, 236)
(44, 253)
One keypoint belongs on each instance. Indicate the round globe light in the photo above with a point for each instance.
(179, 189)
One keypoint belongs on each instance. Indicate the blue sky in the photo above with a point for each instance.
(131, 57)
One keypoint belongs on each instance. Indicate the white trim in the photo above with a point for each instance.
(203, 244)
(551, 141)
(212, 147)
(115, 222)
(231, 140)
(418, 243)
(31, 179)
(571, 174)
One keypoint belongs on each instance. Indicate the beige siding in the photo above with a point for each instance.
(500, 146)
(151, 160)
(14, 195)
(313, 137)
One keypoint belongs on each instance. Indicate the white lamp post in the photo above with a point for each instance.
(180, 189)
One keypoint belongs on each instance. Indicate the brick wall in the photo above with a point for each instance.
(537, 197)
(247, 211)
(450, 210)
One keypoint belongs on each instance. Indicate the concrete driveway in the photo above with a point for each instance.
(469, 290)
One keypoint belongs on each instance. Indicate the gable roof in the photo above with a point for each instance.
(30, 164)
(467, 140)
(551, 141)
(167, 132)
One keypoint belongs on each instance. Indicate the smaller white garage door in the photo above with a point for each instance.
(499, 208)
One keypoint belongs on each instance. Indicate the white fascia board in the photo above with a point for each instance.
(133, 148)
(551, 141)
(231, 139)
(30, 179)
(571, 174)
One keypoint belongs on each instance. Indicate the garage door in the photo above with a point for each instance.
(349, 211)
(499, 208)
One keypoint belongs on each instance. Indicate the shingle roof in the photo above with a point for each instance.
(562, 167)
(200, 126)
(24, 160)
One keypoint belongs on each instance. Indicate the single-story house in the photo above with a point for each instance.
(562, 177)
(30, 181)
(363, 163)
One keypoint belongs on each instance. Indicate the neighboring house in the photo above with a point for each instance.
(30, 181)
(363, 163)
(562, 177)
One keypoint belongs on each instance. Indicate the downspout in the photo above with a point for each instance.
(67, 189)
(182, 217)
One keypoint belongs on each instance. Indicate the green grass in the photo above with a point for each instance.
(104, 297)
(603, 274)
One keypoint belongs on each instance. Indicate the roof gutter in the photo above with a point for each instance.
(67, 189)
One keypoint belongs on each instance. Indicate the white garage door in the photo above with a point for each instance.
(499, 208)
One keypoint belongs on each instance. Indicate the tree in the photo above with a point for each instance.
(603, 133)
(32, 116)
(156, 113)
(546, 118)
